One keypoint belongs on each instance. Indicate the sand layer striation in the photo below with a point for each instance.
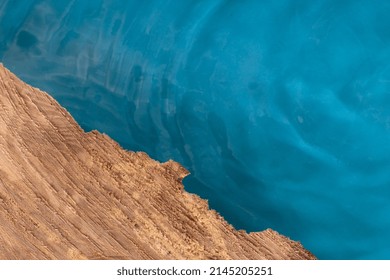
(67, 194)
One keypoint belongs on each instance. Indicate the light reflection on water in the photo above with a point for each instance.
(281, 111)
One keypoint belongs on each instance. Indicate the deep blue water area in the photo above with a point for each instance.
(279, 109)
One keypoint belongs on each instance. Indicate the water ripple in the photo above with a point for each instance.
(279, 109)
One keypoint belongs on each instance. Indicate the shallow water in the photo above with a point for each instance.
(280, 109)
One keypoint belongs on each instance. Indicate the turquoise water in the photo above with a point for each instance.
(280, 109)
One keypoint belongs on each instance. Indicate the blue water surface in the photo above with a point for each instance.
(279, 109)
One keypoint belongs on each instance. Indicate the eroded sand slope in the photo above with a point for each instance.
(67, 194)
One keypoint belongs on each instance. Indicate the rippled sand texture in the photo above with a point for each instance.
(67, 194)
(279, 109)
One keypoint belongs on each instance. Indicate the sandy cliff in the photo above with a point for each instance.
(67, 194)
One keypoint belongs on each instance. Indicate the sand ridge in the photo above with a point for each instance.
(67, 194)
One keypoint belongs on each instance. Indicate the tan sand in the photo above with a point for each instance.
(67, 194)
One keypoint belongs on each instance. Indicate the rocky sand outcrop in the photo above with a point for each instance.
(67, 194)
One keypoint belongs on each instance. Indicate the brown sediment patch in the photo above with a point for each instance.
(67, 194)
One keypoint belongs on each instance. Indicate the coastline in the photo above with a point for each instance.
(67, 194)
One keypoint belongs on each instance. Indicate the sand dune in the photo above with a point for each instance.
(67, 194)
